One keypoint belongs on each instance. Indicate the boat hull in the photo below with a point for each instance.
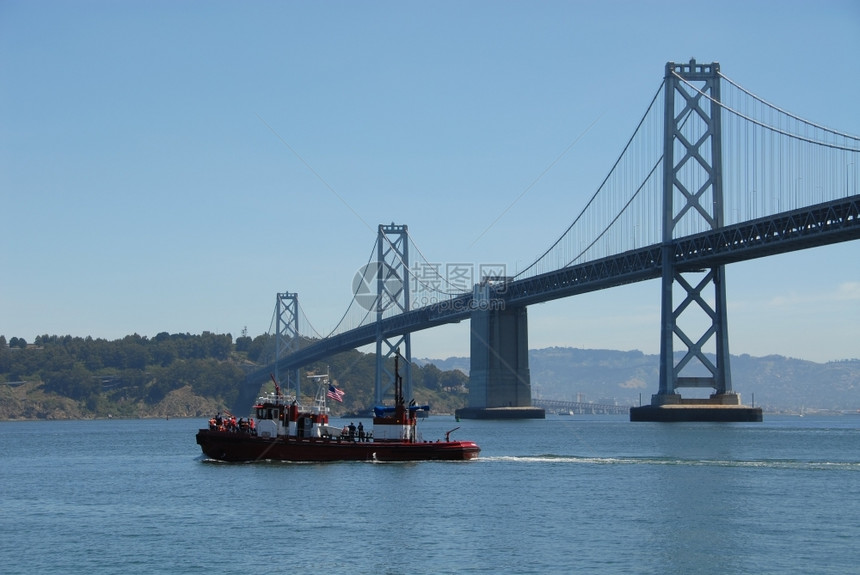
(230, 446)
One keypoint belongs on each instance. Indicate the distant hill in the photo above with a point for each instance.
(607, 376)
(185, 375)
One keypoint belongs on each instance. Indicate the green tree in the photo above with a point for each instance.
(243, 343)
(5, 357)
(75, 382)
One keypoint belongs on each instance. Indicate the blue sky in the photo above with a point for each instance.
(171, 166)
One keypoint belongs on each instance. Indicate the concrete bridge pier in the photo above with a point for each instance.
(499, 380)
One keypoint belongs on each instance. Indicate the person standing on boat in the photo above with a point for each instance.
(360, 431)
(351, 430)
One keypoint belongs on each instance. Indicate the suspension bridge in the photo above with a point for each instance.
(712, 175)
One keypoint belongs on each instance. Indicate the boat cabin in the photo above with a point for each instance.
(279, 417)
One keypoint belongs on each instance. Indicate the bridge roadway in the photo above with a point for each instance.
(580, 407)
(812, 226)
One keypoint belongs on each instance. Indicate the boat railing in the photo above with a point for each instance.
(276, 399)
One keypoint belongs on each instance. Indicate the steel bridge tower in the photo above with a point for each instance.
(693, 200)
(392, 293)
(692, 196)
(287, 336)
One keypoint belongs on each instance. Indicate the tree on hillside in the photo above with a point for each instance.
(74, 382)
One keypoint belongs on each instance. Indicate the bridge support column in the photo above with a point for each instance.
(499, 380)
(693, 199)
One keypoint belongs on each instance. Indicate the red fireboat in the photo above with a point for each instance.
(284, 432)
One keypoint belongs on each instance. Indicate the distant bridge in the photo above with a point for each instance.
(580, 407)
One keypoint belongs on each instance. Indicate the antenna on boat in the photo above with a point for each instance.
(277, 387)
(398, 381)
(322, 380)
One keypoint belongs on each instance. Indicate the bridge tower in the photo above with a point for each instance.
(286, 342)
(287, 336)
(693, 199)
(392, 295)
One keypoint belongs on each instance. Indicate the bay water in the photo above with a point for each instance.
(569, 494)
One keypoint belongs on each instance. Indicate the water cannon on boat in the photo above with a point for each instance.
(449, 432)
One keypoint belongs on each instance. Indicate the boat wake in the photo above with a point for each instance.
(764, 463)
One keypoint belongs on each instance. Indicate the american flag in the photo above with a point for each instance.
(335, 393)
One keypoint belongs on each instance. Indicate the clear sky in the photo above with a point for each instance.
(171, 166)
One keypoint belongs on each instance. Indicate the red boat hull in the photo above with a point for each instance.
(230, 446)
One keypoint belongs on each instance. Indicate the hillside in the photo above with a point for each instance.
(184, 375)
(178, 375)
(779, 383)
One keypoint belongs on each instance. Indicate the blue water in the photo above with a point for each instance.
(583, 494)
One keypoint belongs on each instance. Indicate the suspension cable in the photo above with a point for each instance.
(308, 321)
(436, 270)
(620, 213)
(600, 187)
(412, 274)
(349, 307)
(767, 127)
(787, 113)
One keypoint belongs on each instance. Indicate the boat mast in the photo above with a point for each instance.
(400, 411)
(398, 381)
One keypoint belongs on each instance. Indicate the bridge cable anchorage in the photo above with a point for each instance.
(775, 129)
(601, 186)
